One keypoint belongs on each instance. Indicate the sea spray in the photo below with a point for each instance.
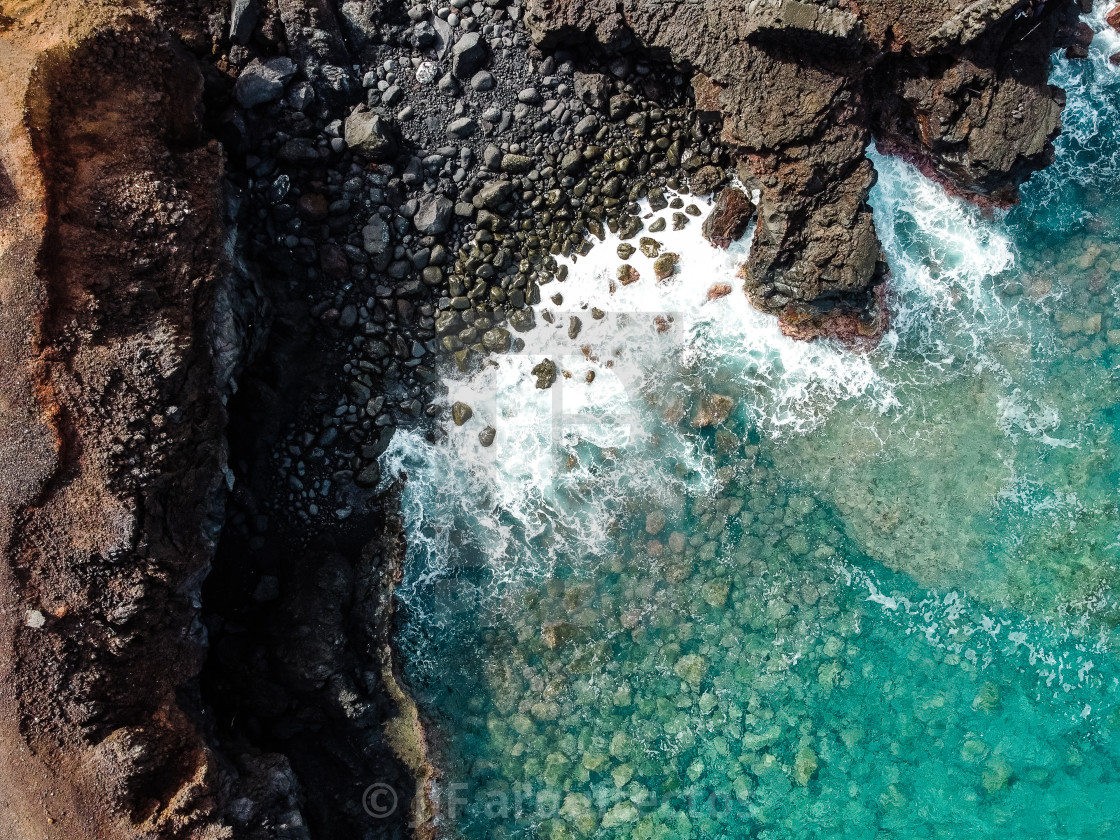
(875, 599)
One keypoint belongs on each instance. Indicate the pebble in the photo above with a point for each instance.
(482, 81)
(462, 128)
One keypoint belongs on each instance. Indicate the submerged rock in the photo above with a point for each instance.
(805, 766)
(714, 409)
(557, 633)
(691, 668)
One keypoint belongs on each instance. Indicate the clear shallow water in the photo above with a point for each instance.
(877, 600)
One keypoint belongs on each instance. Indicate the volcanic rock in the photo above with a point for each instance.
(433, 215)
(461, 413)
(468, 55)
(117, 355)
(369, 135)
(545, 372)
(243, 20)
(729, 219)
(263, 81)
(665, 266)
(959, 88)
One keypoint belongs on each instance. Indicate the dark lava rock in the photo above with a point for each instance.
(803, 89)
(730, 218)
(370, 475)
(461, 413)
(705, 180)
(375, 236)
(263, 81)
(545, 372)
(493, 195)
(665, 266)
(462, 128)
(369, 135)
(433, 215)
(243, 20)
(497, 340)
(468, 55)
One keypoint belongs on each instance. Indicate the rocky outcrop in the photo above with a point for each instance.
(111, 452)
(730, 217)
(804, 87)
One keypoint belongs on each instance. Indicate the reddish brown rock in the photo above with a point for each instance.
(706, 180)
(111, 445)
(857, 329)
(1113, 17)
(719, 290)
(730, 218)
(312, 207)
(706, 93)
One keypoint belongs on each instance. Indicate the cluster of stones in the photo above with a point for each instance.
(536, 210)
(691, 667)
(1086, 314)
(422, 193)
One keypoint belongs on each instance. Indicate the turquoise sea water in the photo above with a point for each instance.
(876, 599)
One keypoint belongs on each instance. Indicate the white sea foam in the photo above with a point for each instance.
(939, 248)
(1062, 661)
(566, 461)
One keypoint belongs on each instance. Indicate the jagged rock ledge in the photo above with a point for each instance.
(959, 88)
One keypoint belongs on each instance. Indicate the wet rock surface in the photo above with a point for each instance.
(730, 217)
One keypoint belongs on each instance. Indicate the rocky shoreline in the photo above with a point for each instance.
(290, 216)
